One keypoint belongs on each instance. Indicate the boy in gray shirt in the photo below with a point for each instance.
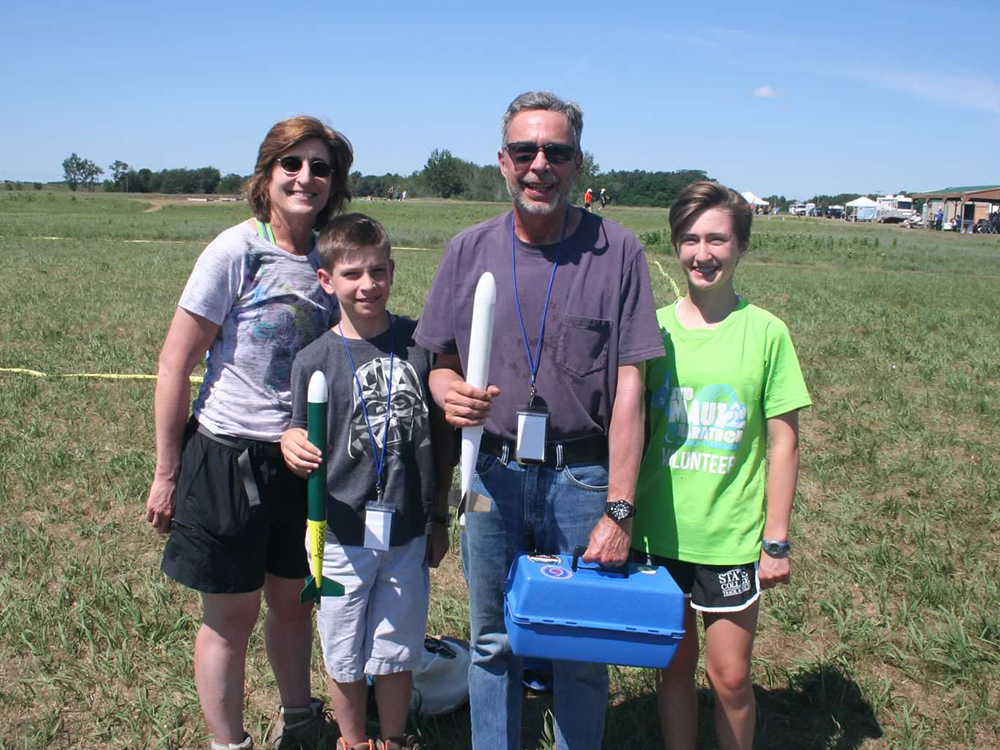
(388, 458)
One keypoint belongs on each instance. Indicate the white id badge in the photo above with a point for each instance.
(378, 527)
(532, 431)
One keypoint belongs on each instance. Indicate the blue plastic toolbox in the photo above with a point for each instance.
(558, 607)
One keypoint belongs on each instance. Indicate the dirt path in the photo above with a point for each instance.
(158, 203)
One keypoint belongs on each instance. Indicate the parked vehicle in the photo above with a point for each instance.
(893, 209)
(986, 226)
(797, 209)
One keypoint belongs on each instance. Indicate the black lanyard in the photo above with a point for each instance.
(533, 362)
(379, 459)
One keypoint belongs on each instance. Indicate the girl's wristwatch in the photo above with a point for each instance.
(776, 548)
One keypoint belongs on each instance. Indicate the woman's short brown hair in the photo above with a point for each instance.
(281, 137)
(699, 197)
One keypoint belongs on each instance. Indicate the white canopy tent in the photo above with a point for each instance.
(864, 207)
(753, 200)
(862, 202)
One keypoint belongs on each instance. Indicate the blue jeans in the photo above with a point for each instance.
(534, 508)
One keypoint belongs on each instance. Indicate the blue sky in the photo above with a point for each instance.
(789, 98)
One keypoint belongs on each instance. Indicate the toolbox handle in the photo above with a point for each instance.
(623, 569)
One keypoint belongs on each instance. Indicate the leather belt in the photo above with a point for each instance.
(591, 449)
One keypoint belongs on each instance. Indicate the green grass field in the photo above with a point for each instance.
(888, 637)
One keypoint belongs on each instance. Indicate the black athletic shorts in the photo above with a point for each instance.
(711, 588)
(240, 513)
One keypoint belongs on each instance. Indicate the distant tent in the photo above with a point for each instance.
(864, 207)
(753, 200)
(862, 202)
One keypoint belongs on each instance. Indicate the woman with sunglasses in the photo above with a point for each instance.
(235, 513)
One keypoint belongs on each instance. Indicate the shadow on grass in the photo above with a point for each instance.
(821, 708)
(454, 731)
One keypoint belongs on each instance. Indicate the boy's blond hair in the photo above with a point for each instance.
(348, 236)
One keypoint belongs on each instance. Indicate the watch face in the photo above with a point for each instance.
(619, 510)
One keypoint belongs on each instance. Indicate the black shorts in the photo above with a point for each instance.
(711, 588)
(240, 513)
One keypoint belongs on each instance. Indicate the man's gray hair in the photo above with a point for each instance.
(548, 101)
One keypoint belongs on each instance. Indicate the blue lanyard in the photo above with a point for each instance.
(379, 458)
(533, 362)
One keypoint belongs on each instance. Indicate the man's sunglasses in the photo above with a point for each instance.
(292, 165)
(523, 152)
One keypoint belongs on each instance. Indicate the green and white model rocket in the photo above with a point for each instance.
(316, 585)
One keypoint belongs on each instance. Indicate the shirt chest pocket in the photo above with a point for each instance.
(583, 345)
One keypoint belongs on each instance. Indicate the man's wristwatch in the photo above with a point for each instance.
(444, 519)
(776, 548)
(619, 510)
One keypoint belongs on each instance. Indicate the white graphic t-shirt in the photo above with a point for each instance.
(269, 305)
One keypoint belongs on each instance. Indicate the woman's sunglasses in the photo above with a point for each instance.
(292, 165)
(523, 152)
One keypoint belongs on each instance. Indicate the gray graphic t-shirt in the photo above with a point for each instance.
(268, 304)
(409, 457)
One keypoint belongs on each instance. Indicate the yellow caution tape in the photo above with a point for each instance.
(98, 375)
(23, 371)
(673, 284)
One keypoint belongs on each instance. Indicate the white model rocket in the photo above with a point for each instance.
(478, 371)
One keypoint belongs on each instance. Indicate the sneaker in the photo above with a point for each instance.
(366, 745)
(409, 742)
(299, 727)
(247, 744)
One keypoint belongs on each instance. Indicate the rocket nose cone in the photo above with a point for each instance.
(317, 388)
(486, 289)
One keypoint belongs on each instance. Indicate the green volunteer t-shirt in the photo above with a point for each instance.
(700, 495)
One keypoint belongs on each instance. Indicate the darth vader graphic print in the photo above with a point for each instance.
(409, 419)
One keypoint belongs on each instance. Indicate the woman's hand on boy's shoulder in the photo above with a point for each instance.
(773, 570)
(301, 456)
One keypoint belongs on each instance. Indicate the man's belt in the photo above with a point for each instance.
(591, 449)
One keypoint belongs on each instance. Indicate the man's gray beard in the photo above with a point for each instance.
(539, 209)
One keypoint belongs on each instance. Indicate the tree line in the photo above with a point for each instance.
(446, 176)
(442, 176)
(79, 172)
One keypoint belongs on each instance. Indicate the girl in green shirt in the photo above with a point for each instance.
(710, 506)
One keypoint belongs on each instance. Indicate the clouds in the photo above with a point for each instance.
(961, 89)
(765, 92)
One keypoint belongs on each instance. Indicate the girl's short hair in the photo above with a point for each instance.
(701, 196)
(281, 137)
